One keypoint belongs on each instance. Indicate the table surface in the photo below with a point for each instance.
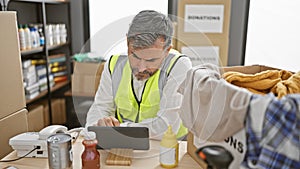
(141, 159)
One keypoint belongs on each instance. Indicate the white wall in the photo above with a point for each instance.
(274, 34)
(109, 22)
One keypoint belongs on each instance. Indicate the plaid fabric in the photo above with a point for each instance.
(278, 144)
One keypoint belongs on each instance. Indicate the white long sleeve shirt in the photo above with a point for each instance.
(168, 114)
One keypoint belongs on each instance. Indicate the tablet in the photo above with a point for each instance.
(136, 138)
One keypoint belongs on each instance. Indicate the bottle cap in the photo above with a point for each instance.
(169, 134)
(90, 135)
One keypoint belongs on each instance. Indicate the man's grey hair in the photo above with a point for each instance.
(147, 26)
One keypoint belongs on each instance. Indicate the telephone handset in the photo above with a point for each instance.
(52, 129)
(26, 142)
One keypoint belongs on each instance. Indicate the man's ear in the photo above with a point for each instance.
(169, 48)
(127, 40)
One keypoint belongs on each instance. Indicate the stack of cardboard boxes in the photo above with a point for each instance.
(13, 114)
(15, 117)
(203, 30)
(86, 78)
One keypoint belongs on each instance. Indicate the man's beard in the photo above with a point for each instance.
(143, 75)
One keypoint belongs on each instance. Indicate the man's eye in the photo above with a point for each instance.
(151, 60)
(135, 56)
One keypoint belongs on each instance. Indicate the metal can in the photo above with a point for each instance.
(60, 151)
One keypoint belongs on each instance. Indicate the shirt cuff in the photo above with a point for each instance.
(125, 124)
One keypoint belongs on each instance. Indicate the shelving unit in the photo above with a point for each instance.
(44, 93)
(40, 49)
(40, 15)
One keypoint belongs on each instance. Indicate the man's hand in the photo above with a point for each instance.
(108, 121)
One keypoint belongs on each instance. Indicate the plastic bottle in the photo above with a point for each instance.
(90, 157)
(37, 36)
(27, 37)
(49, 34)
(33, 38)
(56, 34)
(42, 37)
(22, 38)
(168, 156)
(63, 33)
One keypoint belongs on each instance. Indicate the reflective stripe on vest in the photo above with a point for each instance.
(128, 107)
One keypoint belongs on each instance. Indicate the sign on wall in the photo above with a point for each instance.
(202, 54)
(204, 18)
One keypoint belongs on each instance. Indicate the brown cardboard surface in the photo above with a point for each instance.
(10, 126)
(248, 69)
(86, 78)
(226, 15)
(191, 149)
(174, 39)
(222, 43)
(11, 86)
(84, 68)
(243, 69)
(58, 111)
(35, 117)
(85, 84)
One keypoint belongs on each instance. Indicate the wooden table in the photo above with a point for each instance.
(141, 159)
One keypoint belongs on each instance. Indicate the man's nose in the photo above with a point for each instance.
(142, 66)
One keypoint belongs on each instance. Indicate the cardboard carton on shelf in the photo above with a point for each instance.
(86, 78)
(58, 112)
(10, 126)
(202, 49)
(35, 117)
(11, 86)
(252, 69)
(210, 17)
(174, 38)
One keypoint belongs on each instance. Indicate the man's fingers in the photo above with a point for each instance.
(115, 121)
(108, 121)
(101, 122)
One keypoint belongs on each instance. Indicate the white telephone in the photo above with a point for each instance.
(26, 142)
(47, 131)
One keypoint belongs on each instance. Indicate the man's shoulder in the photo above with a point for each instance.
(115, 57)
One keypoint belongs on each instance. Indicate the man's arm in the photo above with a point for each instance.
(170, 102)
(103, 105)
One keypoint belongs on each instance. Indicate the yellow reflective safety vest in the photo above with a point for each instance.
(128, 106)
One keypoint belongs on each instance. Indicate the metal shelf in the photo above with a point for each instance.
(41, 48)
(57, 86)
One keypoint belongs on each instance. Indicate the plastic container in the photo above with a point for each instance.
(90, 157)
(168, 156)
(33, 38)
(27, 37)
(42, 37)
(22, 38)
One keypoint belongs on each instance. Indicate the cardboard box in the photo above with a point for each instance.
(11, 86)
(86, 78)
(248, 69)
(191, 148)
(203, 50)
(10, 126)
(35, 118)
(174, 39)
(58, 112)
(209, 17)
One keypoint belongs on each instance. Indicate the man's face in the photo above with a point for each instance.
(145, 62)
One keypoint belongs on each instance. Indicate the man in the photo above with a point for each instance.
(141, 89)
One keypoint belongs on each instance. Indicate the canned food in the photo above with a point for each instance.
(60, 151)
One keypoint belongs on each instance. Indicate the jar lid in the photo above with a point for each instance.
(90, 135)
